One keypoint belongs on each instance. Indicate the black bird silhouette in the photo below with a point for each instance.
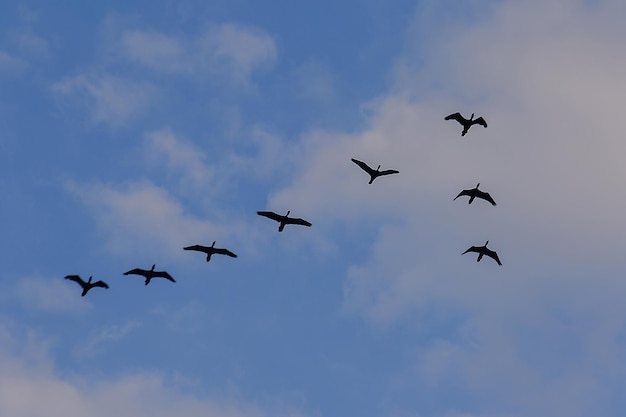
(86, 286)
(474, 193)
(467, 123)
(210, 250)
(482, 250)
(283, 220)
(149, 274)
(373, 173)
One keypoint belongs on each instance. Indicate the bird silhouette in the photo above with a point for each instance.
(482, 250)
(476, 193)
(467, 123)
(210, 250)
(149, 274)
(373, 173)
(283, 220)
(86, 286)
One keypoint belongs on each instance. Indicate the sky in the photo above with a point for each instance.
(131, 129)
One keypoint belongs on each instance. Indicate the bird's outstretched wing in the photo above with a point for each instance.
(486, 196)
(136, 271)
(473, 249)
(480, 121)
(270, 215)
(100, 284)
(198, 248)
(462, 193)
(363, 166)
(456, 116)
(493, 255)
(295, 220)
(223, 251)
(388, 171)
(164, 274)
(75, 278)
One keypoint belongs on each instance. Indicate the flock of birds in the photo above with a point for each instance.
(284, 220)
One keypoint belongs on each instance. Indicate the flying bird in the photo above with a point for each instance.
(467, 123)
(149, 274)
(210, 250)
(86, 286)
(481, 251)
(283, 220)
(476, 193)
(373, 173)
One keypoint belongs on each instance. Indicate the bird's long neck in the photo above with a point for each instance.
(477, 185)
(213, 243)
(288, 211)
(471, 117)
(152, 269)
(89, 280)
(378, 169)
(486, 243)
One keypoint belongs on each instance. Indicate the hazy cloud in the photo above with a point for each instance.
(10, 64)
(109, 99)
(228, 50)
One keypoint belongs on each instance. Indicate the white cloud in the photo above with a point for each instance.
(30, 386)
(50, 294)
(110, 99)
(140, 217)
(179, 156)
(229, 50)
(549, 79)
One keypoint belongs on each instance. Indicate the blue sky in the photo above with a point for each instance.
(131, 129)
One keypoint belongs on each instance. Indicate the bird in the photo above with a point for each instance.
(283, 220)
(373, 173)
(149, 274)
(467, 123)
(482, 250)
(210, 250)
(86, 286)
(475, 192)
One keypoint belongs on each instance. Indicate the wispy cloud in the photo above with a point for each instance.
(110, 99)
(106, 335)
(228, 50)
(10, 64)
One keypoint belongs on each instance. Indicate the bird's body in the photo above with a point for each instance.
(476, 193)
(374, 173)
(467, 123)
(482, 250)
(283, 220)
(86, 286)
(210, 250)
(149, 274)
